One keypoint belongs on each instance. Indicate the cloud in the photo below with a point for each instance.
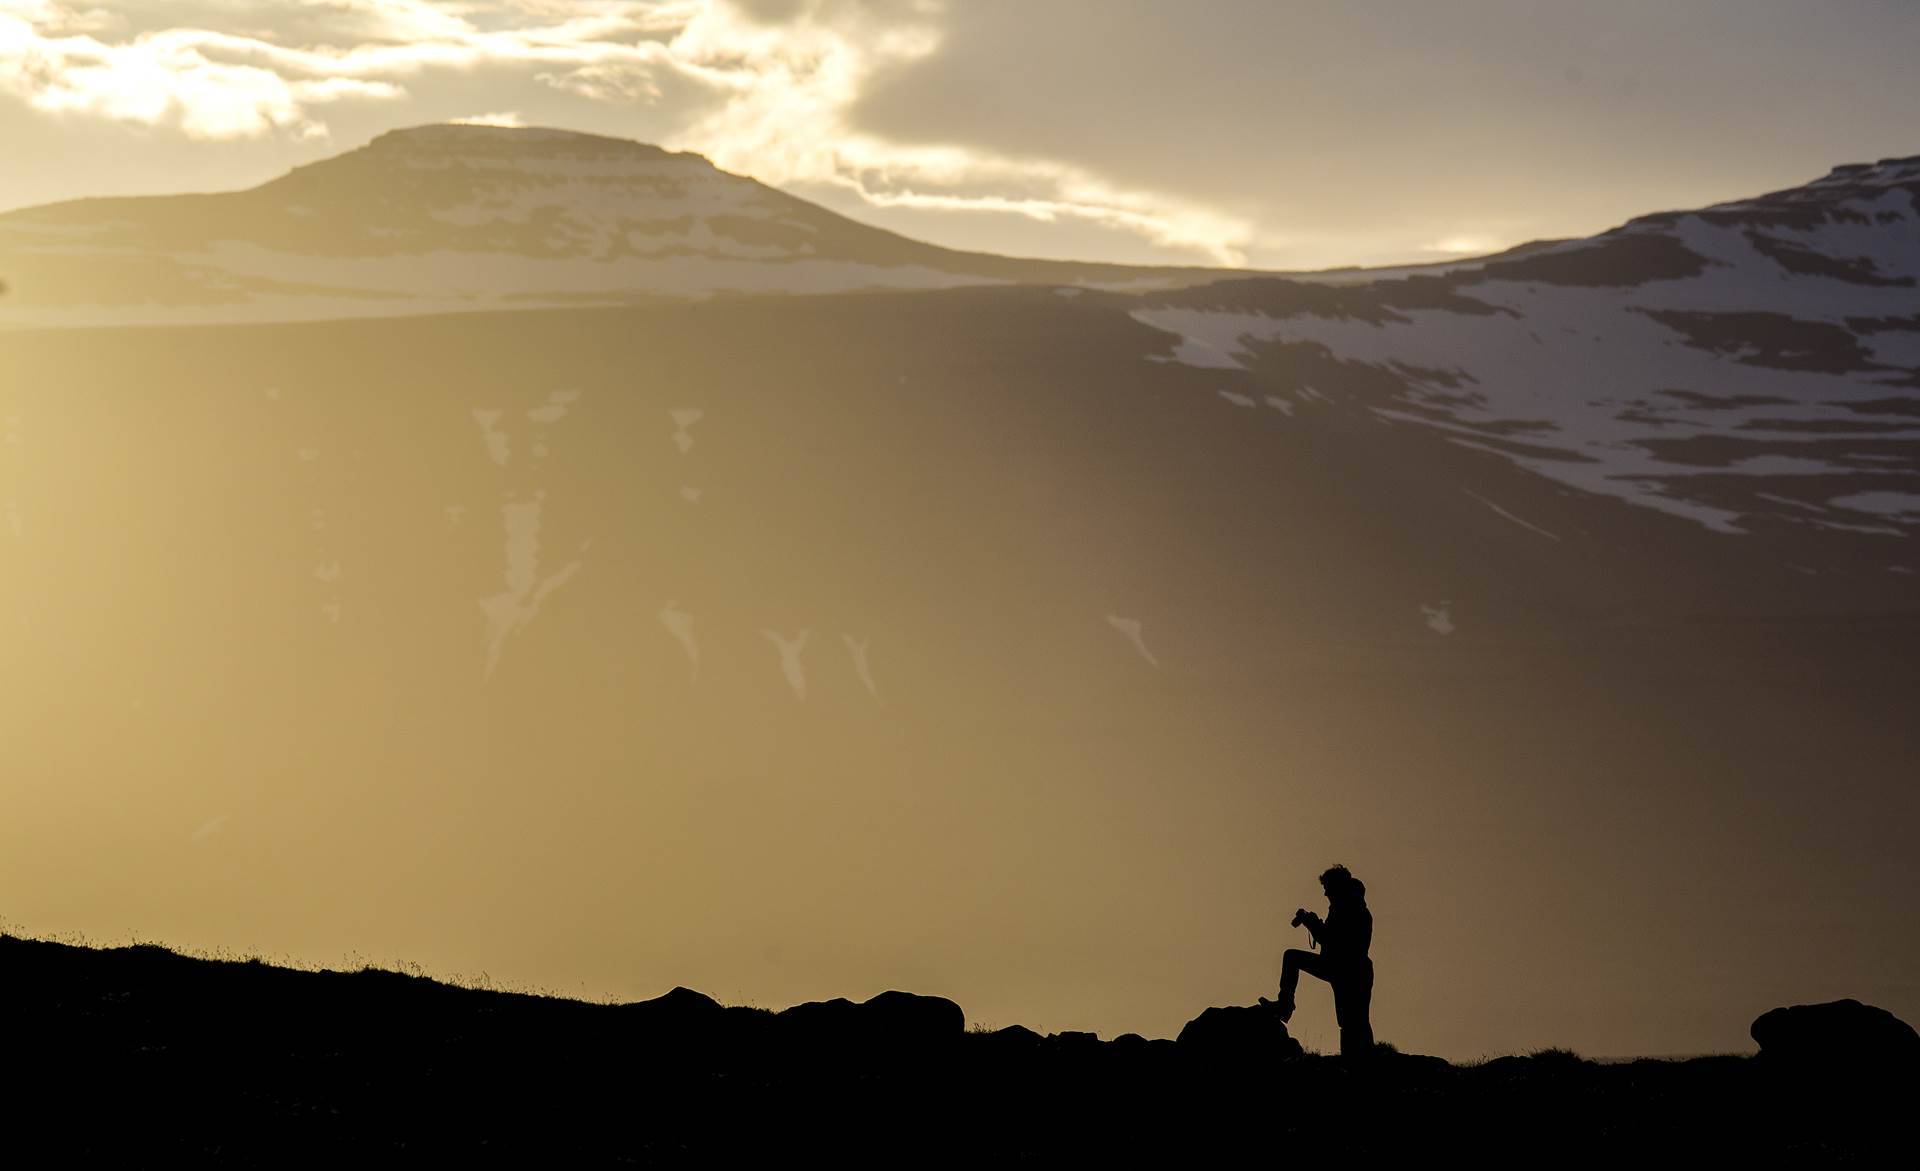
(51, 58)
(212, 83)
(786, 88)
(766, 87)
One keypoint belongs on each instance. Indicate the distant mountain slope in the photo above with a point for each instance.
(787, 642)
(456, 217)
(1753, 362)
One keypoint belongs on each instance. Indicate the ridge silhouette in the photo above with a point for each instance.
(137, 1055)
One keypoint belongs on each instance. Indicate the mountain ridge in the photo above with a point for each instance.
(450, 217)
(1672, 362)
(446, 217)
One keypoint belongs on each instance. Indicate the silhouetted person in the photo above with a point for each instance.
(1343, 938)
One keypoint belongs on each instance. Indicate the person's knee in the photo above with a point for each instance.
(1296, 957)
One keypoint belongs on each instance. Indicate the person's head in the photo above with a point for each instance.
(1339, 883)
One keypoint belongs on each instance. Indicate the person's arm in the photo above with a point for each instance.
(1314, 926)
(1332, 934)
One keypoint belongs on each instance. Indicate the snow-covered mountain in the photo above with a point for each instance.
(451, 217)
(1752, 362)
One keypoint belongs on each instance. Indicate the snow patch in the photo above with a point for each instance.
(1532, 528)
(679, 624)
(496, 440)
(858, 648)
(791, 666)
(683, 420)
(1531, 386)
(1900, 505)
(511, 610)
(1130, 629)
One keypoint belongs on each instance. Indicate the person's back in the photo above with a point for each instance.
(1349, 930)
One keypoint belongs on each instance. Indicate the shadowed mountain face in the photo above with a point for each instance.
(458, 217)
(978, 641)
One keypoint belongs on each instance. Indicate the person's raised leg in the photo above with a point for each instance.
(1294, 962)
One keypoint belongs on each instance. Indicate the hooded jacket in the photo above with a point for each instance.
(1347, 932)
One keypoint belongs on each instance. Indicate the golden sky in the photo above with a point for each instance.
(801, 647)
(1273, 134)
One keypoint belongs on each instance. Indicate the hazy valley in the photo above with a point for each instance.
(797, 646)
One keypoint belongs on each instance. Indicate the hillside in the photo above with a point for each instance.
(139, 1053)
(1752, 364)
(441, 594)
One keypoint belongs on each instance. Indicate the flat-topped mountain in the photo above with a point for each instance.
(458, 216)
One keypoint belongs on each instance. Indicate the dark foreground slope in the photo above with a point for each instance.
(141, 1053)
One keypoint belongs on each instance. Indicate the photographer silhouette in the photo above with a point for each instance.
(1343, 938)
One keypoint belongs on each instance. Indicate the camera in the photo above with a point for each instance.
(1299, 917)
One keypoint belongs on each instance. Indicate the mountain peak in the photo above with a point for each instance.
(468, 139)
(455, 216)
(1893, 172)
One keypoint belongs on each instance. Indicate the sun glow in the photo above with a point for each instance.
(1465, 245)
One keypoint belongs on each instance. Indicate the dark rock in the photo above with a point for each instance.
(821, 1024)
(1238, 1033)
(681, 1003)
(894, 1021)
(906, 1015)
(1014, 1037)
(686, 1022)
(1073, 1042)
(681, 1015)
(1842, 1032)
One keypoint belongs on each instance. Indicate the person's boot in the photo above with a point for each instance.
(1283, 1007)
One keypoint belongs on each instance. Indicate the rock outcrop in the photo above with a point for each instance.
(891, 1021)
(1837, 1033)
(1238, 1034)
